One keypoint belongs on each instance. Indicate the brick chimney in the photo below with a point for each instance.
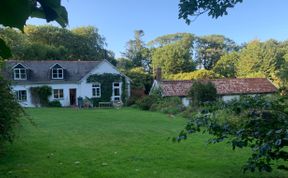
(158, 74)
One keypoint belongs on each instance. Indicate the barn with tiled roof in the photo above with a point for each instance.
(226, 88)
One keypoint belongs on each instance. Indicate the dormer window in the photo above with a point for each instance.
(20, 72)
(57, 72)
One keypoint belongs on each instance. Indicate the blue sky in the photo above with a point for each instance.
(117, 20)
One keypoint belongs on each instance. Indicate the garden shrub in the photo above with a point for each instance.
(55, 104)
(201, 92)
(131, 101)
(189, 111)
(140, 78)
(259, 123)
(168, 105)
(146, 102)
(286, 110)
(10, 113)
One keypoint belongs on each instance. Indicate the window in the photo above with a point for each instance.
(57, 73)
(116, 91)
(96, 90)
(58, 94)
(21, 95)
(20, 74)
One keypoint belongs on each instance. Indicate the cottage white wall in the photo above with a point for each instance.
(27, 103)
(237, 97)
(85, 89)
(66, 95)
(185, 101)
(225, 98)
(228, 98)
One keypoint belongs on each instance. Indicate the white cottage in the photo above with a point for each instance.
(227, 89)
(68, 80)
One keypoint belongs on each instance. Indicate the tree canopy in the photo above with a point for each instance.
(210, 48)
(14, 13)
(226, 65)
(137, 52)
(53, 43)
(174, 57)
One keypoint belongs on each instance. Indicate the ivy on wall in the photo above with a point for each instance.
(40, 95)
(106, 80)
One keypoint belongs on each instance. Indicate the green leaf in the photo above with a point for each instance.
(38, 13)
(63, 17)
(5, 51)
(278, 142)
(278, 131)
(14, 13)
(53, 11)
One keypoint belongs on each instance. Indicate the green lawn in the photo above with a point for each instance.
(115, 143)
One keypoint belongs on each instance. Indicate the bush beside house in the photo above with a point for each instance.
(201, 92)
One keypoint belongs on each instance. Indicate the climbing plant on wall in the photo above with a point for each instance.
(40, 95)
(106, 80)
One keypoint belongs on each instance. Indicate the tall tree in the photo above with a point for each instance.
(210, 48)
(226, 65)
(170, 39)
(90, 44)
(124, 64)
(175, 57)
(250, 57)
(261, 59)
(137, 52)
(272, 60)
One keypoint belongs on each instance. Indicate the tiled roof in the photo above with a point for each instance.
(223, 86)
(40, 71)
(175, 88)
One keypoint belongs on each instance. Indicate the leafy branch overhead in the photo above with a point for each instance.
(15, 13)
(214, 8)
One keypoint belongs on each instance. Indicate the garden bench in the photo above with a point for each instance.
(105, 104)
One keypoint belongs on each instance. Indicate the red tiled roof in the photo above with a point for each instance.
(223, 86)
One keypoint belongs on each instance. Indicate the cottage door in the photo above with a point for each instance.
(72, 96)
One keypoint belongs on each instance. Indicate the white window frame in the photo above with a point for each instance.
(57, 72)
(21, 97)
(57, 93)
(20, 71)
(96, 90)
(116, 97)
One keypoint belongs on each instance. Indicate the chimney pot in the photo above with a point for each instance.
(158, 75)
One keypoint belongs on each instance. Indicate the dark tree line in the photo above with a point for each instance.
(54, 43)
(181, 55)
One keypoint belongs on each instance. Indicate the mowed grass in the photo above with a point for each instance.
(76, 143)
